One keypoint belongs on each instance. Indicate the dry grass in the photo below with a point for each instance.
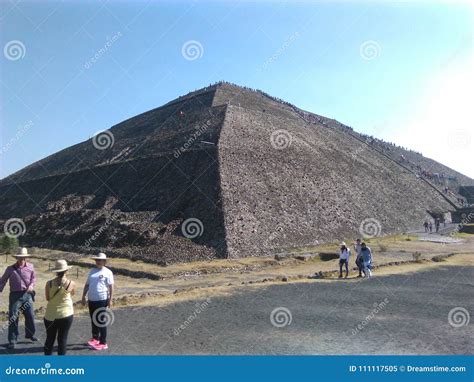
(220, 277)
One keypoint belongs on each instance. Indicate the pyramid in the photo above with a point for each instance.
(222, 172)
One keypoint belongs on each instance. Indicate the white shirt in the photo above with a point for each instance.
(345, 254)
(99, 281)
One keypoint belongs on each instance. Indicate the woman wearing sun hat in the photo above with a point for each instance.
(99, 289)
(59, 310)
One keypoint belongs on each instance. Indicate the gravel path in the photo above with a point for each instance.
(397, 314)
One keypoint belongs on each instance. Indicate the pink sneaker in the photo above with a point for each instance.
(92, 342)
(101, 347)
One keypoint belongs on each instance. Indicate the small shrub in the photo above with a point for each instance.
(383, 248)
(438, 259)
(9, 244)
(417, 257)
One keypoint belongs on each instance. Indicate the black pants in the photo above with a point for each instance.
(59, 327)
(98, 320)
(360, 265)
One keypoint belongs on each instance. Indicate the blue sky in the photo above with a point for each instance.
(400, 71)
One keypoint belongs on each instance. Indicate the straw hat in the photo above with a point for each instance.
(61, 266)
(23, 252)
(343, 243)
(100, 256)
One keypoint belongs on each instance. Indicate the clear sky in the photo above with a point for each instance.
(400, 71)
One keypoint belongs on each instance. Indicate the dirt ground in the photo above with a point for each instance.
(179, 282)
(403, 310)
(225, 306)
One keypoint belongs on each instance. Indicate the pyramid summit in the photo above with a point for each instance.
(224, 171)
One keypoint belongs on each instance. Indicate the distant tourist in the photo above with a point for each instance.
(99, 291)
(437, 223)
(59, 310)
(344, 259)
(22, 279)
(359, 262)
(425, 224)
(366, 254)
(431, 227)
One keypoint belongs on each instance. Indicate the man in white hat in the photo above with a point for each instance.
(344, 259)
(22, 279)
(99, 290)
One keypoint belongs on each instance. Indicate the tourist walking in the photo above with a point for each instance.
(359, 262)
(366, 254)
(99, 291)
(344, 259)
(22, 279)
(59, 309)
(437, 224)
(425, 224)
(431, 227)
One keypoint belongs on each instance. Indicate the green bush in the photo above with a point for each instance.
(327, 256)
(9, 244)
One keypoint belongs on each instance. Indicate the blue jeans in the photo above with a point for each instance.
(20, 302)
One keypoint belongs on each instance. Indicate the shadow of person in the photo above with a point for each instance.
(21, 350)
